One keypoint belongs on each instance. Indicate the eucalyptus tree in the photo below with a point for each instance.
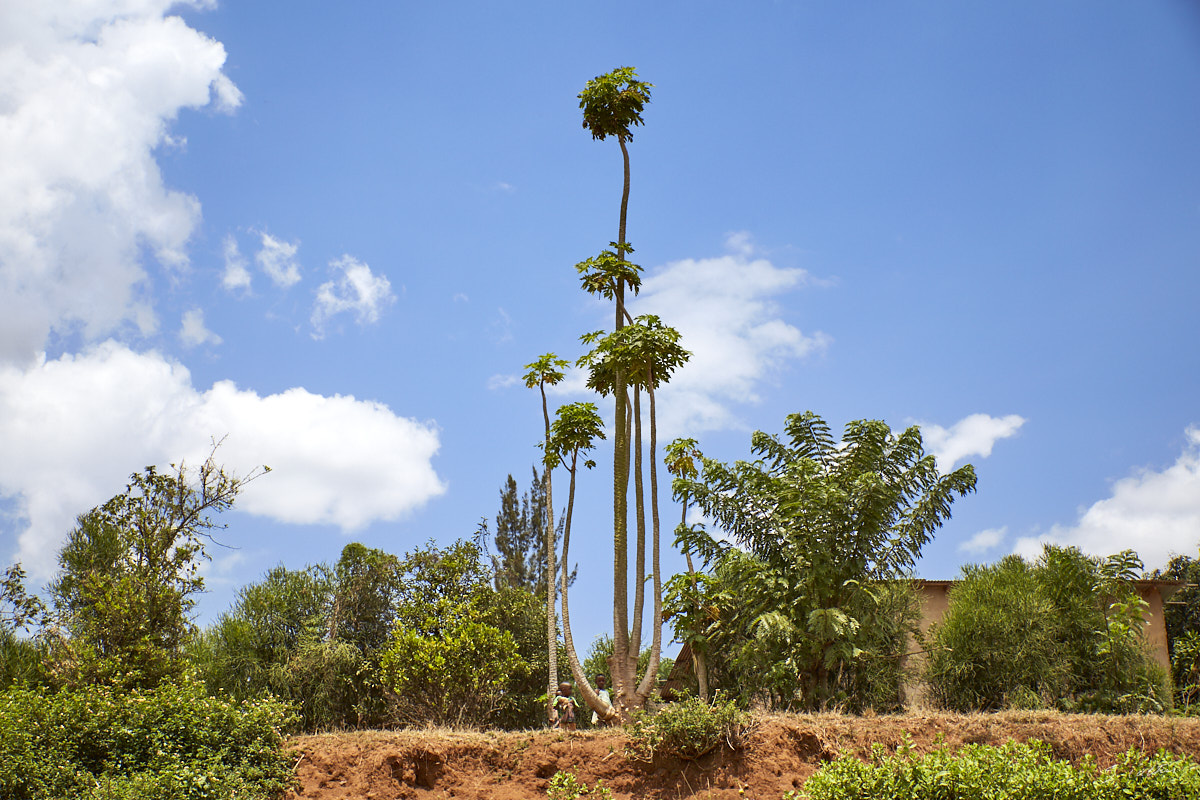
(548, 370)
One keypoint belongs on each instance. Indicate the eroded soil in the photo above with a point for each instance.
(782, 752)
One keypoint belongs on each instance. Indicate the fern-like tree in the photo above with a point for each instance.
(822, 524)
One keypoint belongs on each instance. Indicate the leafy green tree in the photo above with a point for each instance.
(313, 637)
(448, 661)
(129, 573)
(22, 660)
(822, 522)
(1063, 631)
(1181, 615)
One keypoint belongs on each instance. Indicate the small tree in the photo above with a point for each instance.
(449, 661)
(129, 572)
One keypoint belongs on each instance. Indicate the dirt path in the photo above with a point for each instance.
(783, 752)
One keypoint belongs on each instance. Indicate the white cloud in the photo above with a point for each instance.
(236, 276)
(974, 435)
(726, 313)
(1156, 513)
(502, 382)
(355, 290)
(87, 93)
(194, 333)
(983, 541)
(74, 428)
(277, 258)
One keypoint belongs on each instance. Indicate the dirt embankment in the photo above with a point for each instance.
(782, 753)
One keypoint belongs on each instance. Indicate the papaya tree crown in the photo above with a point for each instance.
(613, 102)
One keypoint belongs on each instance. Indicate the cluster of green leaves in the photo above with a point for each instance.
(1182, 618)
(1013, 771)
(1065, 631)
(687, 729)
(172, 742)
(128, 574)
(566, 786)
(450, 659)
(813, 612)
(312, 637)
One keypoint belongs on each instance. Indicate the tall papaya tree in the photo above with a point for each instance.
(647, 352)
(612, 105)
(548, 370)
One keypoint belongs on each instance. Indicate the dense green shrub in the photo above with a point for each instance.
(173, 742)
(1012, 771)
(686, 729)
(1065, 631)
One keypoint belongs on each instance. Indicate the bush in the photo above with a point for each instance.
(687, 729)
(1013, 771)
(168, 743)
(1065, 631)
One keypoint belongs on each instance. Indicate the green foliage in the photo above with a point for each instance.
(613, 102)
(18, 608)
(687, 729)
(448, 661)
(608, 273)
(645, 350)
(1185, 667)
(1182, 619)
(799, 620)
(1065, 631)
(1013, 771)
(565, 786)
(312, 637)
(172, 742)
(129, 571)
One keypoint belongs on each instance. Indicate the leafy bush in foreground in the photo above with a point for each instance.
(1013, 771)
(687, 729)
(170, 743)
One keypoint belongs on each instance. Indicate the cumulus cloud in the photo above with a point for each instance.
(974, 435)
(502, 382)
(277, 258)
(236, 276)
(87, 92)
(983, 541)
(1156, 513)
(726, 311)
(355, 290)
(194, 333)
(74, 428)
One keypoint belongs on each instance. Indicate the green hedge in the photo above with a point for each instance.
(174, 742)
(1012, 771)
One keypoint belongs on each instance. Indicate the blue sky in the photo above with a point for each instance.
(334, 233)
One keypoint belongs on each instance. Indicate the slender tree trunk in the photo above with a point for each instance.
(639, 501)
(582, 682)
(650, 679)
(551, 572)
(622, 680)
